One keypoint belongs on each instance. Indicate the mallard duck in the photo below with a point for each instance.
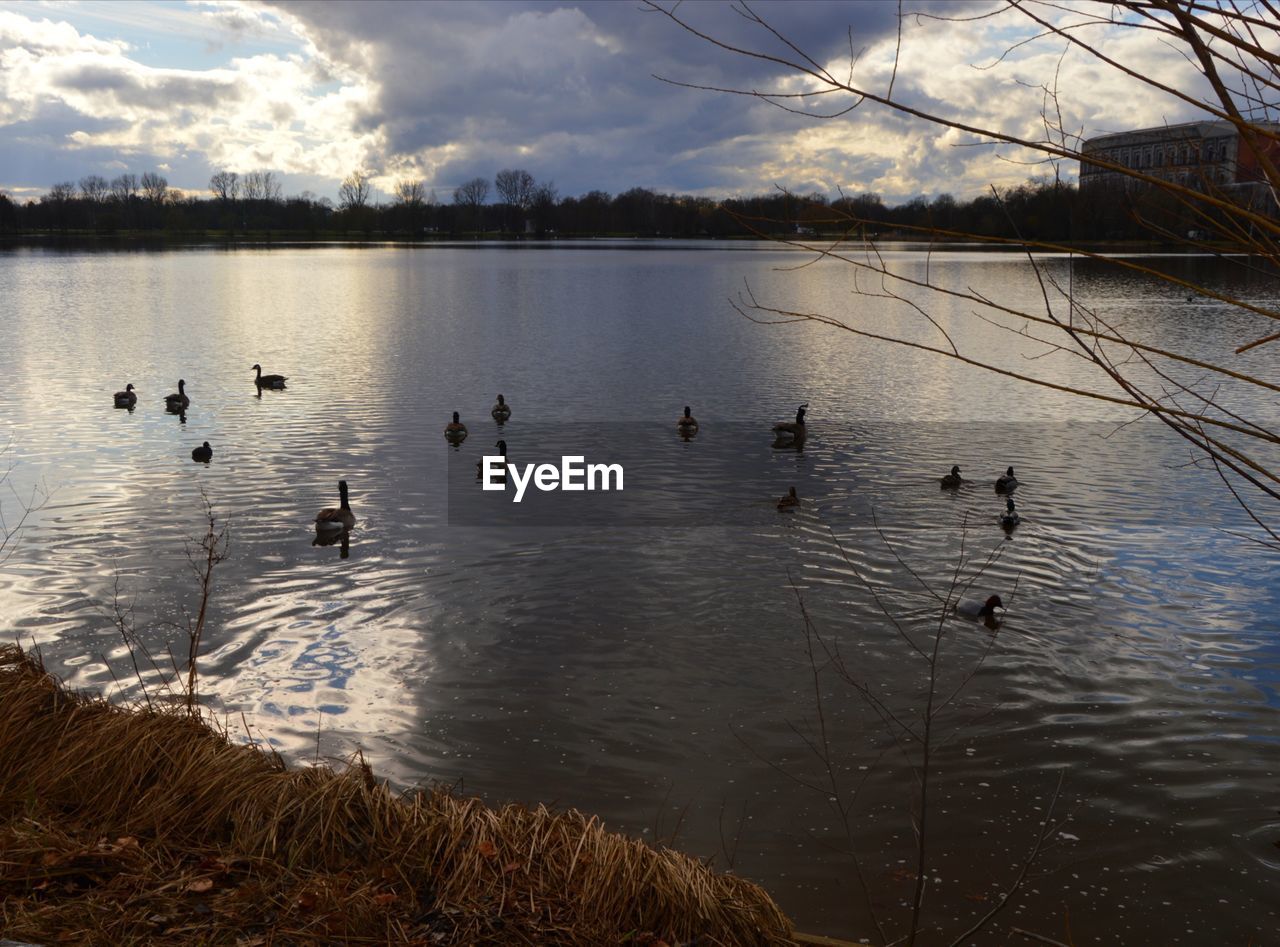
(952, 480)
(687, 423)
(275, 382)
(791, 432)
(203, 453)
(1010, 518)
(178, 401)
(501, 411)
(789, 500)
(127, 398)
(455, 430)
(1008, 483)
(337, 517)
(502, 450)
(980, 611)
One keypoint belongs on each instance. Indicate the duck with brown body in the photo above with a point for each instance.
(335, 518)
(687, 424)
(501, 410)
(791, 433)
(455, 431)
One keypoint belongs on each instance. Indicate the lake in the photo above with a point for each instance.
(643, 655)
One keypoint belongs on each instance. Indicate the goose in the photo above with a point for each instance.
(502, 473)
(203, 453)
(337, 517)
(127, 398)
(275, 382)
(953, 479)
(789, 432)
(178, 401)
(501, 411)
(455, 430)
(980, 611)
(1007, 483)
(687, 424)
(788, 501)
(1010, 518)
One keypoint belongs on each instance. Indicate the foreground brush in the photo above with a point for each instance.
(139, 825)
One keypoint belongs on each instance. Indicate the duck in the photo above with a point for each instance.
(275, 382)
(127, 398)
(455, 430)
(501, 411)
(178, 401)
(789, 501)
(952, 480)
(1010, 518)
(502, 450)
(337, 517)
(1007, 483)
(203, 453)
(687, 424)
(980, 611)
(791, 432)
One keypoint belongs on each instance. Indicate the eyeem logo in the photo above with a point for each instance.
(573, 474)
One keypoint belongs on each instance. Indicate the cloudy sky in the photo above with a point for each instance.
(446, 91)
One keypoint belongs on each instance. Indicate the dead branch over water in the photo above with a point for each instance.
(129, 825)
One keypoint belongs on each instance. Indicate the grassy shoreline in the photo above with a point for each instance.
(129, 825)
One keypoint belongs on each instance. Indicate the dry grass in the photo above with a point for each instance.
(130, 826)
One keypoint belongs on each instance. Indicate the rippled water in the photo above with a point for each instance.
(647, 660)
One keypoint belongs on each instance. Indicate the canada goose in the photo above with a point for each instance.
(1010, 518)
(127, 398)
(789, 500)
(953, 479)
(179, 401)
(1008, 483)
(787, 433)
(501, 411)
(502, 471)
(455, 430)
(337, 517)
(275, 382)
(687, 424)
(203, 453)
(980, 611)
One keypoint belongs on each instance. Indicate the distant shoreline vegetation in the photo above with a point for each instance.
(254, 208)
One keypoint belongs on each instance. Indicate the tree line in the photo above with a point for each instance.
(515, 204)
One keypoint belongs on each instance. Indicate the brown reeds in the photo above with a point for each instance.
(140, 825)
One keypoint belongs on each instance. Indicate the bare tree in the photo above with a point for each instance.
(1232, 49)
(124, 188)
(411, 193)
(515, 189)
(94, 188)
(154, 187)
(60, 193)
(473, 194)
(355, 191)
(260, 186)
(225, 185)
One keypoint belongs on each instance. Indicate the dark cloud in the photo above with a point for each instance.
(569, 91)
(156, 93)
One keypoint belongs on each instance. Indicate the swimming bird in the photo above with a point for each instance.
(687, 424)
(984, 611)
(178, 401)
(790, 432)
(337, 517)
(455, 430)
(1010, 518)
(502, 471)
(275, 382)
(788, 501)
(203, 453)
(127, 398)
(952, 480)
(501, 411)
(1008, 483)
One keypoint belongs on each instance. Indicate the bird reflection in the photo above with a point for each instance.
(331, 538)
(182, 416)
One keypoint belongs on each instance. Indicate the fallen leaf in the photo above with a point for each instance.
(488, 849)
(307, 901)
(126, 841)
(385, 898)
(200, 886)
